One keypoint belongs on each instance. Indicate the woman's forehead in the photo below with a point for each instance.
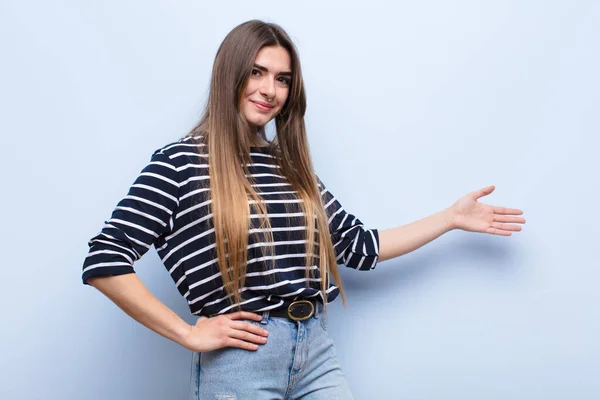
(274, 59)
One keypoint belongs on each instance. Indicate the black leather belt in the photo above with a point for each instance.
(299, 310)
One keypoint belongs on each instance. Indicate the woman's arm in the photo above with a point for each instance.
(466, 214)
(139, 219)
(403, 239)
(131, 295)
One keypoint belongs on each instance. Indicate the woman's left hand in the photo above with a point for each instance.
(470, 215)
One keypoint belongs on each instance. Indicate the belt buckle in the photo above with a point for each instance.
(298, 302)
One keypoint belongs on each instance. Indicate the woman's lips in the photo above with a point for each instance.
(262, 106)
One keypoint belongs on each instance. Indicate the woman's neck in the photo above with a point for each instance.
(258, 142)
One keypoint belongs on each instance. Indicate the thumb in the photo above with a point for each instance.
(484, 192)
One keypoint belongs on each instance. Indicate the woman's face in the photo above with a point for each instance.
(268, 85)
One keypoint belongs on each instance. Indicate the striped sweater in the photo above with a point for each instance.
(168, 206)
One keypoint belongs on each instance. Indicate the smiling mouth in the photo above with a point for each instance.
(262, 106)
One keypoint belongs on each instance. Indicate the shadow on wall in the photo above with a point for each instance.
(492, 255)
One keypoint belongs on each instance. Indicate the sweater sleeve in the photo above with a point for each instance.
(354, 245)
(137, 221)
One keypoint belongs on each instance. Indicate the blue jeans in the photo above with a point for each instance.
(297, 362)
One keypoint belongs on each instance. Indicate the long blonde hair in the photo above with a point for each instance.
(227, 135)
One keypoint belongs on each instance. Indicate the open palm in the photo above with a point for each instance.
(472, 216)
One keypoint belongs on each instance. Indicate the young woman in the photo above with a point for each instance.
(251, 236)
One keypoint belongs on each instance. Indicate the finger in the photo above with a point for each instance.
(506, 227)
(484, 192)
(231, 342)
(513, 220)
(244, 315)
(498, 232)
(507, 211)
(247, 336)
(247, 326)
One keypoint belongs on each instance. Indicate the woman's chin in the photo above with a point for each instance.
(257, 122)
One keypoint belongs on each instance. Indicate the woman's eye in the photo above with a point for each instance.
(255, 72)
(284, 80)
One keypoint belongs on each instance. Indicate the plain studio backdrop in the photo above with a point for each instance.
(410, 106)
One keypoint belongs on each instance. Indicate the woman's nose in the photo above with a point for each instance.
(268, 88)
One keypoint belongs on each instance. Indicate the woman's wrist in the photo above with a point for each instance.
(449, 218)
(182, 335)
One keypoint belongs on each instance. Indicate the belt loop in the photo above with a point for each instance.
(318, 309)
(265, 317)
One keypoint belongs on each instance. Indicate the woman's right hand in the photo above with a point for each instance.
(226, 331)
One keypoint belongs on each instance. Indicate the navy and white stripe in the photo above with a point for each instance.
(168, 206)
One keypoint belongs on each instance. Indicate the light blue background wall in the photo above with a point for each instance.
(411, 105)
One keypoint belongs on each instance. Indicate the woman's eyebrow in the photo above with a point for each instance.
(265, 69)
